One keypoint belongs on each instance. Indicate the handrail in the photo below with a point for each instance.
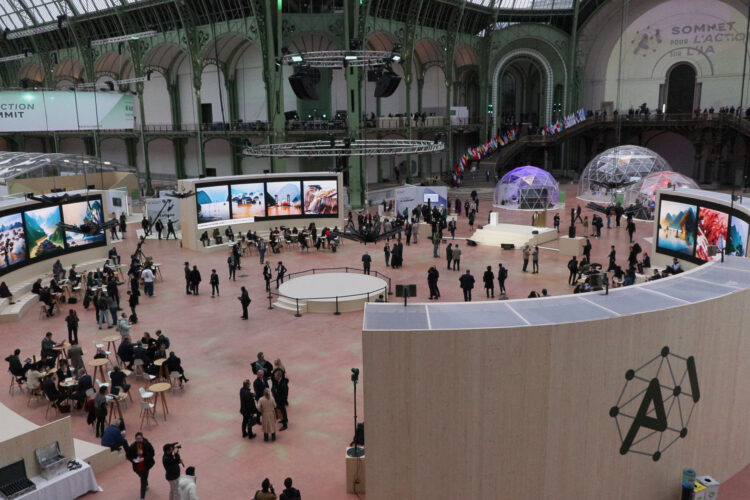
(336, 297)
(346, 270)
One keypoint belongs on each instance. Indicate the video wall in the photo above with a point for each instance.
(31, 233)
(688, 228)
(264, 200)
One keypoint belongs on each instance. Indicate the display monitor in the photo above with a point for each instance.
(677, 228)
(248, 200)
(283, 198)
(213, 203)
(80, 213)
(42, 233)
(321, 197)
(712, 231)
(12, 241)
(432, 198)
(737, 241)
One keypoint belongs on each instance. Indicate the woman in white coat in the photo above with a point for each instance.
(186, 486)
(267, 408)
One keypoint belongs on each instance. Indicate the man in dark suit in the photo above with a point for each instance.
(280, 392)
(14, 365)
(84, 384)
(187, 278)
(467, 283)
(48, 345)
(260, 384)
(51, 392)
(247, 409)
(117, 378)
(366, 260)
(125, 353)
(195, 279)
(262, 364)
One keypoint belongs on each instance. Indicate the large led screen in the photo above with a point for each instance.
(78, 214)
(737, 241)
(712, 230)
(248, 200)
(213, 203)
(321, 197)
(12, 240)
(42, 233)
(283, 198)
(677, 225)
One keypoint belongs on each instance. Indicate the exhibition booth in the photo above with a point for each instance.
(607, 394)
(258, 203)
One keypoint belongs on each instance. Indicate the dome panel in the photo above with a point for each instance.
(526, 188)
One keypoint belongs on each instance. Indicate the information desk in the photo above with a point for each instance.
(71, 484)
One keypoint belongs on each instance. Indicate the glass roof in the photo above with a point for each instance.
(21, 14)
(26, 165)
(525, 4)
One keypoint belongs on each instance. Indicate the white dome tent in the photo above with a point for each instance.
(612, 171)
(643, 192)
(526, 188)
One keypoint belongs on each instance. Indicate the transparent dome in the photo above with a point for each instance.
(612, 171)
(643, 192)
(526, 188)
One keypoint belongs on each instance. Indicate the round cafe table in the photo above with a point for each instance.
(159, 389)
(115, 402)
(162, 369)
(111, 342)
(62, 349)
(98, 364)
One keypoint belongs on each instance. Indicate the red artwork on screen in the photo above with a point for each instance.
(712, 230)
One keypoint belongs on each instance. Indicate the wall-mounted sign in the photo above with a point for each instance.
(656, 404)
(219, 223)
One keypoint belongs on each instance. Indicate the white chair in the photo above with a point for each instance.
(90, 392)
(145, 395)
(174, 379)
(100, 384)
(138, 367)
(35, 394)
(49, 406)
(147, 413)
(14, 384)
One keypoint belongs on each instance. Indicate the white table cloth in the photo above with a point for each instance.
(67, 486)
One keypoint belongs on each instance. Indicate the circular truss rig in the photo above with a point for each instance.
(342, 58)
(344, 147)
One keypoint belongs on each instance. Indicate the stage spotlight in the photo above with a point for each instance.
(387, 84)
(348, 142)
(355, 374)
(284, 50)
(438, 137)
(303, 84)
(355, 44)
(350, 57)
(332, 140)
(297, 58)
(278, 62)
(395, 57)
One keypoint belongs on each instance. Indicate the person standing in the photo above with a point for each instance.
(147, 275)
(280, 393)
(187, 278)
(535, 260)
(618, 214)
(452, 229)
(471, 220)
(171, 462)
(612, 258)
(556, 222)
(123, 224)
(407, 232)
(280, 272)
(573, 268)
(267, 275)
(526, 254)
(141, 455)
(248, 409)
(456, 258)
(72, 321)
(630, 228)
(502, 275)
(266, 492)
(432, 280)
(436, 244)
(262, 248)
(170, 229)
(290, 493)
(133, 302)
(449, 254)
(585, 224)
(489, 282)
(187, 487)
(467, 283)
(245, 300)
(366, 260)
(387, 252)
(214, 280)
(267, 408)
(145, 226)
(195, 279)
(159, 228)
(609, 217)
(232, 267)
(587, 250)
(578, 213)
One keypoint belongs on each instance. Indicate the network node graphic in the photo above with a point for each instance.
(656, 404)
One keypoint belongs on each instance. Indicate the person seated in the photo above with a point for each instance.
(174, 364)
(34, 376)
(162, 339)
(149, 343)
(113, 255)
(117, 378)
(5, 293)
(57, 270)
(49, 387)
(646, 260)
(229, 233)
(63, 370)
(294, 230)
(15, 367)
(655, 276)
(262, 364)
(161, 352)
(675, 268)
(629, 277)
(100, 353)
(619, 275)
(37, 287)
(48, 347)
(217, 235)
(90, 281)
(139, 352)
(113, 436)
(54, 286)
(73, 276)
(85, 383)
(205, 239)
(125, 353)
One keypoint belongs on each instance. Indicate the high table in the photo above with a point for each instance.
(115, 402)
(98, 364)
(112, 343)
(159, 390)
(162, 369)
(70, 484)
(62, 349)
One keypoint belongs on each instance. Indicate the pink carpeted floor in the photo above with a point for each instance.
(217, 348)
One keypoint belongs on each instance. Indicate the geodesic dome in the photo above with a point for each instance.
(526, 188)
(644, 191)
(615, 169)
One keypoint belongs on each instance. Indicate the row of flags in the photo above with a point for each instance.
(566, 122)
(479, 152)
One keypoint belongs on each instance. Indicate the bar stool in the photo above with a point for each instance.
(35, 394)
(14, 384)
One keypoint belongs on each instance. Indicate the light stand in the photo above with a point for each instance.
(355, 452)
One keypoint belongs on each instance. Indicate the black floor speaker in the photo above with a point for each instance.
(507, 246)
(471, 243)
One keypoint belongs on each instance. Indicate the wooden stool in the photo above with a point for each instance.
(34, 394)
(14, 384)
(43, 312)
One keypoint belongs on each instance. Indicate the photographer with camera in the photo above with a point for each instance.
(172, 461)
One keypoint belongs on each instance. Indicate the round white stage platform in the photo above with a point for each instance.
(318, 292)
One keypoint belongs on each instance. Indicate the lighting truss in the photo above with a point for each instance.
(342, 58)
(14, 58)
(118, 82)
(124, 38)
(34, 31)
(364, 147)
